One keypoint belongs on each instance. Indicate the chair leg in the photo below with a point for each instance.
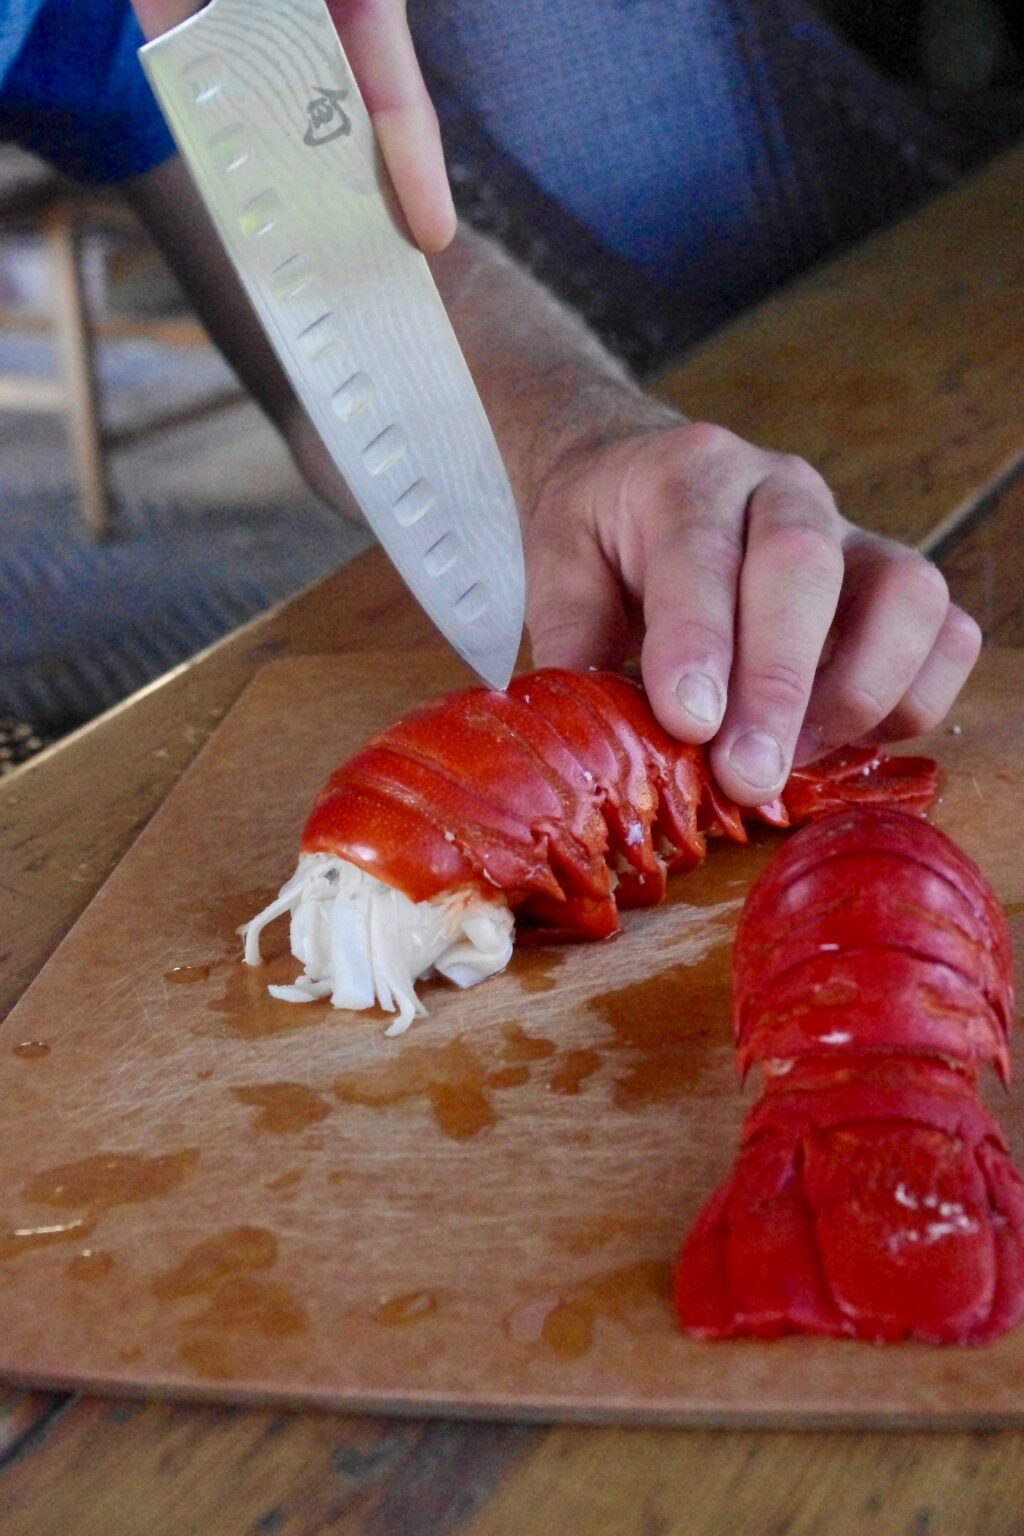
(71, 330)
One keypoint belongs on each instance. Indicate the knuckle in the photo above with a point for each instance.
(780, 685)
(794, 492)
(923, 587)
(707, 439)
(700, 461)
(860, 708)
(809, 549)
(798, 472)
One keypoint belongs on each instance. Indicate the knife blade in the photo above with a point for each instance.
(268, 117)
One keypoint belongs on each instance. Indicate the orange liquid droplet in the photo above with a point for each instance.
(657, 1082)
(461, 1110)
(450, 1077)
(248, 1012)
(221, 1270)
(286, 1183)
(112, 1178)
(208, 1357)
(90, 1264)
(635, 1296)
(653, 1013)
(20, 1240)
(284, 1107)
(238, 1251)
(243, 1305)
(669, 1029)
(519, 1046)
(568, 1330)
(564, 1327)
(31, 1050)
(244, 1007)
(508, 1077)
(536, 969)
(573, 1071)
(184, 975)
(618, 1291)
(401, 1311)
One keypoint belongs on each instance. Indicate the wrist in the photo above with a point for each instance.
(593, 416)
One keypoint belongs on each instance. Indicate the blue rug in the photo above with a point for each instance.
(82, 624)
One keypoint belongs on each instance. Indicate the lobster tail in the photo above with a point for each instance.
(873, 1195)
(549, 807)
(564, 797)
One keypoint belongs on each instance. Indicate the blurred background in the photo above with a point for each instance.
(147, 505)
(943, 45)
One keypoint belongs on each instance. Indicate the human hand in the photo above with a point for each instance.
(770, 625)
(375, 37)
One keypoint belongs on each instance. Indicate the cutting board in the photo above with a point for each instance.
(208, 1193)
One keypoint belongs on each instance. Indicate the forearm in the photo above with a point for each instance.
(551, 389)
(549, 386)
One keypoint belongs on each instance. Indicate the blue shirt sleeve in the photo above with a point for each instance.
(75, 93)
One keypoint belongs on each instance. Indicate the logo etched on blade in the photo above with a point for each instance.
(327, 120)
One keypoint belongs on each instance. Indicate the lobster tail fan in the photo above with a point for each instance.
(873, 1196)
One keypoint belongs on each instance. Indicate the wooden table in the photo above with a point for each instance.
(897, 369)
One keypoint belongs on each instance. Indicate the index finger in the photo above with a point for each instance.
(375, 36)
(156, 17)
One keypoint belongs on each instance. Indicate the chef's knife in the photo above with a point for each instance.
(269, 119)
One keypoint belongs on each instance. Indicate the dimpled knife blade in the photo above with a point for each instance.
(269, 119)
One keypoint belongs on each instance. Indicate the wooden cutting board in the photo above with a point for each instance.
(208, 1193)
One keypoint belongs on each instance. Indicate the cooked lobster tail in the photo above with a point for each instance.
(565, 795)
(873, 1195)
(551, 806)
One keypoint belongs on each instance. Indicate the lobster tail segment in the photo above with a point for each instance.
(876, 1203)
(860, 776)
(873, 1196)
(873, 932)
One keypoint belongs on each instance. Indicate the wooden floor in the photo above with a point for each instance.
(923, 433)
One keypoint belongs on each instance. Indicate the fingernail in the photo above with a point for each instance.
(757, 757)
(701, 697)
(809, 745)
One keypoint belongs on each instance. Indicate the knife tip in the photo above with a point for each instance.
(497, 677)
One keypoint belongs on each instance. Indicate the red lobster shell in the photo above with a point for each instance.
(543, 791)
(873, 1195)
